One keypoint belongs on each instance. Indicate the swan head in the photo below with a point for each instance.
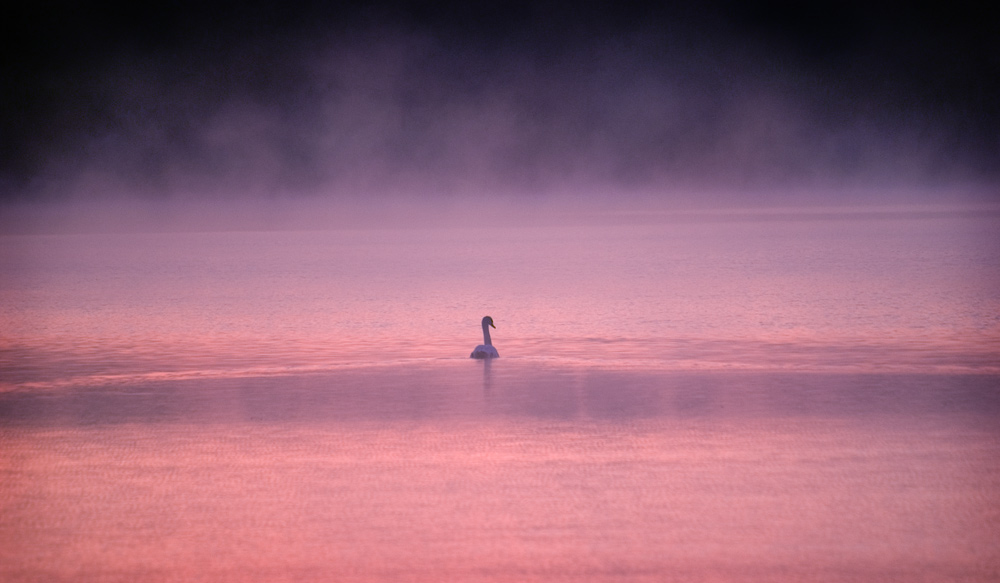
(487, 321)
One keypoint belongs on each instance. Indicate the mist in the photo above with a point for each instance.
(742, 260)
(531, 106)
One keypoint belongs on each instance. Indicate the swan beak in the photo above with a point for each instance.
(491, 325)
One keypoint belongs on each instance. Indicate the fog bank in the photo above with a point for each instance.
(404, 102)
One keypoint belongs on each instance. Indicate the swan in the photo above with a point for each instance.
(485, 350)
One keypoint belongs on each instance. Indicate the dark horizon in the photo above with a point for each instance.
(428, 100)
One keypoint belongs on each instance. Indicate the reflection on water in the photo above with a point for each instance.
(729, 402)
(505, 471)
(506, 388)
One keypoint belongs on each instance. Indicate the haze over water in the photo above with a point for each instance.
(742, 258)
(748, 397)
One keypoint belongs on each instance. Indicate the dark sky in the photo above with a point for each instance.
(223, 99)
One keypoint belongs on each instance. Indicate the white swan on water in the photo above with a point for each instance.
(485, 350)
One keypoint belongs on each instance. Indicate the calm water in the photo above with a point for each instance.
(776, 399)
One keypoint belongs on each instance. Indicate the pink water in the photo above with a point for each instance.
(739, 400)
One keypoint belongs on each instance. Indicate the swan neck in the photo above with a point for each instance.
(486, 334)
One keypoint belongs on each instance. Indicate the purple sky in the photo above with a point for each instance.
(224, 100)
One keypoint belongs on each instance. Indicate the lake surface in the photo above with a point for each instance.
(783, 397)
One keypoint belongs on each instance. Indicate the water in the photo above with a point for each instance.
(791, 398)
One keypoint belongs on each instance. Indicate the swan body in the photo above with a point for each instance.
(486, 350)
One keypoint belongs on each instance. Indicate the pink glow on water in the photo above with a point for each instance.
(738, 400)
(503, 502)
(893, 295)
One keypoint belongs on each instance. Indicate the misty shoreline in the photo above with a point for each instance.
(313, 213)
